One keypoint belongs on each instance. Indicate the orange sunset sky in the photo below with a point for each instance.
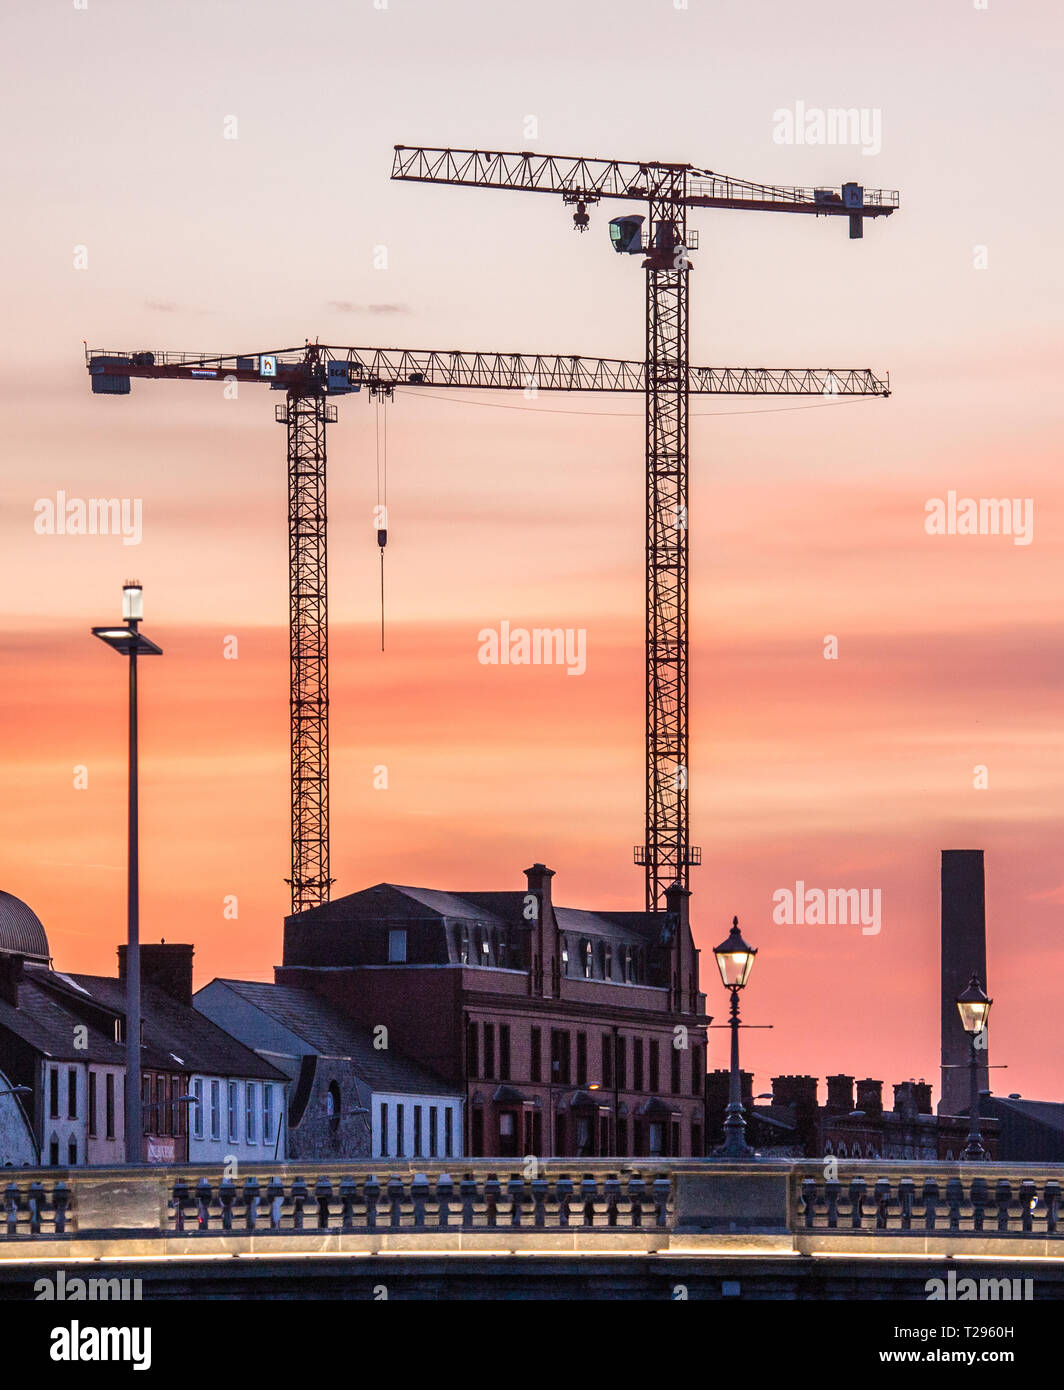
(804, 522)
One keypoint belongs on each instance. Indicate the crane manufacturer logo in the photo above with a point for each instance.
(861, 126)
(93, 516)
(540, 646)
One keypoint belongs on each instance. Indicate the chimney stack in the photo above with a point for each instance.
(10, 975)
(963, 955)
(545, 964)
(840, 1094)
(167, 967)
(870, 1097)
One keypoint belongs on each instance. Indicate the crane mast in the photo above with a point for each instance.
(668, 190)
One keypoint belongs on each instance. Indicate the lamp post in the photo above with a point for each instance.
(735, 959)
(129, 641)
(974, 1009)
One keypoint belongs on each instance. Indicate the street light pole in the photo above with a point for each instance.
(130, 642)
(735, 959)
(974, 1009)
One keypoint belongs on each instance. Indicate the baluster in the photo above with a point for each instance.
(11, 1206)
(444, 1197)
(979, 1194)
(419, 1193)
(348, 1191)
(60, 1200)
(371, 1192)
(588, 1193)
(203, 1204)
(468, 1192)
(1002, 1198)
(563, 1191)
(492, 1193)
(662, 1193)
(882, 1201)
(931, 1196)
(954, 1198)
(299, 1197)
(275, 1197)
(539, 1202)
(832, 1193)
(177, 1202)
(395, 1200)
(36, 1202)
(1028, 1202)
(251, 1203)
(858, 1189)
(612, 1189)
(1051, 1194)
(227, 1195)
(516, 1190)
(637, 1191)
(809, 1196)
(323, 1196)
(906, 1199)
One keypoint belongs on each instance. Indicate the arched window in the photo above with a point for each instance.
(607, 962)
(585, 958)
(628, 964)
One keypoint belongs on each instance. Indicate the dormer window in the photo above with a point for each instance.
(586, 953)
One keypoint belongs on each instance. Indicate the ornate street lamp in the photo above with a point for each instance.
(735, 960)
(130, 641)
(974, 1009)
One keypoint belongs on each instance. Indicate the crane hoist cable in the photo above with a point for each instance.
(382, 490)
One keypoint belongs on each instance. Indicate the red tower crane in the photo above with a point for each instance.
(667, 190)
(311, 376)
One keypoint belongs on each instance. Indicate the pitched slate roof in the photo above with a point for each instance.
(176, 1036)
(330, 1033)
(47, 1024)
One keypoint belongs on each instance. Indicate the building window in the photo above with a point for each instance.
(472, 1052)
(251, 1097)
(267, 1114)
(637, 1064)
(585, 959)
(621, 1045)
(657, 1137)
(698, 1072)
(397, 947)
(53, 1095)
(197, 1108)
(72, 1093)
(53, 1152)
(607, 1059)
(448, 1131)
(109, 1103)
(92, 1105)
(696, 1139)
(463, 955)
(400, 1136)
(504, 1052)
(628, 964)
(581, 1058)
(72, 1152)
(674, 1078)
(384, 1129)
(216, 1118)
(489, 1051)
(607, 962)
(162, 1106)
(434, 1116)
(565, 956)
(654, 1066)
(536, 1066)
(508, 1134)
(417, 1131)
(332, 1106)
(622, 1138)
(234, 1111)
(559, 1055)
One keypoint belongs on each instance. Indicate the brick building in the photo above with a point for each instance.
(571, 1032)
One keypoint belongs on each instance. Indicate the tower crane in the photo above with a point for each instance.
(311, 376)
(667, 190)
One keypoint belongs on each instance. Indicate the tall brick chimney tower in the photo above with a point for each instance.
(963, 955)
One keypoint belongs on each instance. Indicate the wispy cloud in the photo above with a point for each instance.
(347, 306)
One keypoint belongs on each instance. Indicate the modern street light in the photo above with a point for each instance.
(130, 641)
(974, 1009)
(18, 1091)
(735, 960)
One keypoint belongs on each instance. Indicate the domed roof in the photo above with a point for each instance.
(21, 932)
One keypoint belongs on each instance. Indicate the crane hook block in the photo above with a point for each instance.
(382, 539)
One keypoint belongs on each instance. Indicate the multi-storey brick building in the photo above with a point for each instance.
(573, 1033)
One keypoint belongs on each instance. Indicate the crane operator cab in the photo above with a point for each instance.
(626, 234)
